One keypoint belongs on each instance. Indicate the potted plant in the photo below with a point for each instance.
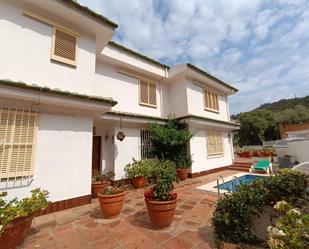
(16, 217)
(138, 171)
(159, 197)
(100, 181)
(183, 164)
(111, 201)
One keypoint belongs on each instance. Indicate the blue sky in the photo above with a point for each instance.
(260, 47)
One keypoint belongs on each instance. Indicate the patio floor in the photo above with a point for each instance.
(84, 227)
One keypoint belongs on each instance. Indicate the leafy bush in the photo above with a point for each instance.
(11, 210)
(111, 190)
(140, 168)
(163, 176)
(233, 217)
(97, 177)
(291, 229)
(170, 141)
(286, 185)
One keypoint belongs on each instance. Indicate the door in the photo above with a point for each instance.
(96, 153)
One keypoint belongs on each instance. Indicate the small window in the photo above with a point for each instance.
(64, 47)
(17, 137)
(215, 146)
(211, 101)
(148, 93)
(146, 147)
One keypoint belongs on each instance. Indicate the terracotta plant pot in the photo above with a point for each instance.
(97, 187)
(138, 182)
(161, 213)
(111, 205)
(182, 174)
(15, 232)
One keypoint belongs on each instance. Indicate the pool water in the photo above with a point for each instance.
(233, 184)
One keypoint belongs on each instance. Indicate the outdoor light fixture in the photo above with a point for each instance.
(120, 135)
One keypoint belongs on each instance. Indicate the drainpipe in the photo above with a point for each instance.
(161, 91)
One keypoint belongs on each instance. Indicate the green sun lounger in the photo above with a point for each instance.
(262, 165)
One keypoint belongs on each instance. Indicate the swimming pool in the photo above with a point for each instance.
(234, 183)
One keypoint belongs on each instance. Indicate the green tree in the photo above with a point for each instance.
(170, 141)
(256, 127)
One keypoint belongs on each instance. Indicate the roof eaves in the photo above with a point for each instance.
(128, 50)
(22, 85)
(90, 13)
(196, 69)
(209, 120)
(134, 115)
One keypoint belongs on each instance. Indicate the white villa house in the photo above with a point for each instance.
(66, 90)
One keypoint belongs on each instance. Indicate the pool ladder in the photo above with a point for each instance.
(218, 183)
(221, 178)
(235, 178)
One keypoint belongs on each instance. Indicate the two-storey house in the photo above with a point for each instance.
(68, 93)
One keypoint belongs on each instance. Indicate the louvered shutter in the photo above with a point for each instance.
(211, 100)
(143, 92)
(17, 133)
(214, 143)
(64, 47)
(152, 94)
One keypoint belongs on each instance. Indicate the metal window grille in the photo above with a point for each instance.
(146, 146)
(17, 139)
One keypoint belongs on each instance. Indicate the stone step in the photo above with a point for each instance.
(242, 163)
(244, 166)
(239, 168)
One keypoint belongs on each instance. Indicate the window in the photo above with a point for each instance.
(214, 143)
(148, 93)
(211, 101)
(64, 47)
(17, 135)
(146, 144)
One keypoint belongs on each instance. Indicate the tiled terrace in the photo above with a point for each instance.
(84, 227)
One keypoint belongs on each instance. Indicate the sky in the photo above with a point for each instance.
(259, 47)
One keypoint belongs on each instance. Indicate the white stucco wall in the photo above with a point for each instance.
(134, 61)
(62, 158)
(198, 149)
(124, 89)
(26, 46)
(177, 99)
(195, 97)
(299, 150)
(126, 150)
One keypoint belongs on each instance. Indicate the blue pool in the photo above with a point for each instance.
(233, 184)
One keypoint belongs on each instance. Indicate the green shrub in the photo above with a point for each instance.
(170, 141)
(291, 229)
(163, 176)
(140, 167)
(286, 185)
(233, 217)
(13, 209)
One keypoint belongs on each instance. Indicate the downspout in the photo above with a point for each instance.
(229, 119)
(161, 90)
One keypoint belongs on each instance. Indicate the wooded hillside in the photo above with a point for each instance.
(262, 123)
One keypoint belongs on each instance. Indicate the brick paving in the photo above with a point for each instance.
(84, 227)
